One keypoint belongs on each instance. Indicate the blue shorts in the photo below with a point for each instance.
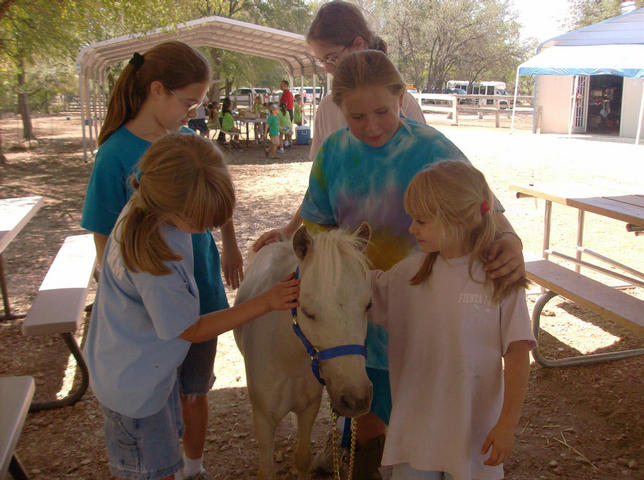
(403, 471)
(381, 402)
(145, 448)
(196, 374)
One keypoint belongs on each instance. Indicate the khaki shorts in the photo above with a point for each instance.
(275, 140)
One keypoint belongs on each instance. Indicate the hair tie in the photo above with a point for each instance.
(138, 177)
(136, 61)
(485, 207)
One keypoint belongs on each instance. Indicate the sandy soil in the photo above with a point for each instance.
(582, 423)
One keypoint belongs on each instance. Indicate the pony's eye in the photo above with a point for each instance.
(368, 307)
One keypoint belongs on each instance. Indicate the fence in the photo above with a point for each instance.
(479, 105)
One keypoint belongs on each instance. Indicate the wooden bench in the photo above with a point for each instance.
(59, 305)
(595, 296)
(15, 397)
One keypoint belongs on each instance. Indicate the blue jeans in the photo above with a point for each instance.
(145, 448)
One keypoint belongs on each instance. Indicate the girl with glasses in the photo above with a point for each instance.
(155, 94)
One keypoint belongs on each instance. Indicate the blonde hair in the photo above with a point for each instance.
(181, 175)
(456, 196)
(339, 23)
(365, 68)
(174, 64)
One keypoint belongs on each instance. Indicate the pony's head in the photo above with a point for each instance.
(335, 297)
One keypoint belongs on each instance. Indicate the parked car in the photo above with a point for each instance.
(307, 97)
(246, 95)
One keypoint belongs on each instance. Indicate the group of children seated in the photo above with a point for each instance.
(276, 131)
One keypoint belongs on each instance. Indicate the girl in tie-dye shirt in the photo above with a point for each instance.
(361, 172)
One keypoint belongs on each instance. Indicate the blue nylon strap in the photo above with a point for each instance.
(342, 350)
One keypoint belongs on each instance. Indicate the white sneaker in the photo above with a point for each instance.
(281, 149)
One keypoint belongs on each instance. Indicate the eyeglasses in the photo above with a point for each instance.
(331, 58)
(191, 107)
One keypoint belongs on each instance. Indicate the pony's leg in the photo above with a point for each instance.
(305, 419)
(265, 434)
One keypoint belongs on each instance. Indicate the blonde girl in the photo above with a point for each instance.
(360, 174)
(451, 331)
(146, 313)
(156, 93)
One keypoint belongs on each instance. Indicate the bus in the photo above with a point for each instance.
(479, 88)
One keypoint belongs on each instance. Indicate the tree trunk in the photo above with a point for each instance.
(3, 159)
(23, 105)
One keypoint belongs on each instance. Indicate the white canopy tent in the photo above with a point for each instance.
(289, 49)
(612, 47)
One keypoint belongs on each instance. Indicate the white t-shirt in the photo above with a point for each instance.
(446, 342)
(329, 118)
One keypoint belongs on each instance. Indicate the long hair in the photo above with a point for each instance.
(181, 175)
(457, 197)
(339, 23)
(174, 64)
(365, 68)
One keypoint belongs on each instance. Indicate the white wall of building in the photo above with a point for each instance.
(553, 96)
(631, 101)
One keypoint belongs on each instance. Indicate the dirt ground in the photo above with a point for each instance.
(581, 423)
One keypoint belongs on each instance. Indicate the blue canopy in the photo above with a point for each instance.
(612, 47)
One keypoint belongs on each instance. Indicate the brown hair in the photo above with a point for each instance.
(182, 175)
(457, 197)
(339, 23)
(174, 64)
(365, 68)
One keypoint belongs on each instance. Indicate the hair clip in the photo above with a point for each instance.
(485, 207)
(136, 61)
(138, 177)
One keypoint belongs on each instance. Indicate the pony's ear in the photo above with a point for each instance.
(302, 242)
(363, 233)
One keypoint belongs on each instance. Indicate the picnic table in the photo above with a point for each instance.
(248, 121)
(609, 201)
(14, 215)
(15, 397)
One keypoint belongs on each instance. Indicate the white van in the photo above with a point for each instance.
(307, 97)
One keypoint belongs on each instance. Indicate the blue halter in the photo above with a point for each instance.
(319, 355)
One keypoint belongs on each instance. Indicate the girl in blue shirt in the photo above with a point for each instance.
(157, 93)
(147, 309)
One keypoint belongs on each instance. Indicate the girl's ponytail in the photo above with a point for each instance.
(123, 105)
(142, 246)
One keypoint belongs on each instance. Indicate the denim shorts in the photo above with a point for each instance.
(403, 471)
(145, 448)
(196, 374)
(381, 402)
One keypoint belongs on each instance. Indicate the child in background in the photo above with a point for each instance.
(146, 313)
(360, 174)
(451, 332)
(285, 127)
(213, 116)
(287, 98)
(156, 93)
(228, 122)
(272, 129)
(297, 110)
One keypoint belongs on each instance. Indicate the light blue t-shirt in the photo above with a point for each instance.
(109, 190)
(352, 182)
(133, 348)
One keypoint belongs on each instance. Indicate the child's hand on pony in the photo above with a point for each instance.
(501, 439)
(283, 295)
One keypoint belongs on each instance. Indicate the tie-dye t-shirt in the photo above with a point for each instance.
(352, 182)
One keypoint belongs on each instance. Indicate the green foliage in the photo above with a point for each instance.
(588, 12)
(432, 41)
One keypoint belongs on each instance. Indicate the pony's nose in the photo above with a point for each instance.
(356, 404)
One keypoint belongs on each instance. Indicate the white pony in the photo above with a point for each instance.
(334, 299)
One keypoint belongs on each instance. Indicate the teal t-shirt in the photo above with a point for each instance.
(109, 190)
(351, 182)
(273, 122)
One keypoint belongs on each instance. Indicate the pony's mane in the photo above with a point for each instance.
(332, 249)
